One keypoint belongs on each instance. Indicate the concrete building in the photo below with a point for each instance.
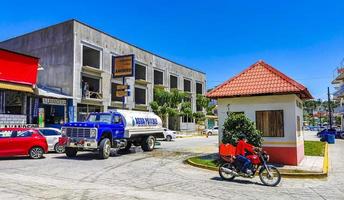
(274, 102)
(77, 60)
(338, 83)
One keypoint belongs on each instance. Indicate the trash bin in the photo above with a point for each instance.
(330, 138)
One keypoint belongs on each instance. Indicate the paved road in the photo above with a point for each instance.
(157, 175)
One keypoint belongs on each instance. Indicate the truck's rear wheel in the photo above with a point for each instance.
(71, 152)
(105, 148)
(148, 143)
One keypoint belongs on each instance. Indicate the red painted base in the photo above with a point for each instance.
(286, 155)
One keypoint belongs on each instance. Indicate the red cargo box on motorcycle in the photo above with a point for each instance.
(227, 150)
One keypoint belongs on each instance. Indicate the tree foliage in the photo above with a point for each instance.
(238, 124)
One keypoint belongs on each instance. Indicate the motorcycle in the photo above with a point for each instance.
(269, 175)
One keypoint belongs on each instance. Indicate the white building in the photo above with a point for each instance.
(274, 102)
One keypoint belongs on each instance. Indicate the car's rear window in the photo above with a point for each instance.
(48, 132)
(7, 134)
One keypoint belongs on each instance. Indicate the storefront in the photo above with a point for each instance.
(18, 104)
(53, 108)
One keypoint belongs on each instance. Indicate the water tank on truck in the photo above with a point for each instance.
(115, 129)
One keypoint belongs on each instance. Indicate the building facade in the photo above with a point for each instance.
(18, 75)
(77, 60)
(338, 95)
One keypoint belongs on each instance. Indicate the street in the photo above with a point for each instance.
(160, 174)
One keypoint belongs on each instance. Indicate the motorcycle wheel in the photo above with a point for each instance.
(268, 180)
(224, 175)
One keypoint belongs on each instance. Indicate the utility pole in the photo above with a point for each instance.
(329, 106)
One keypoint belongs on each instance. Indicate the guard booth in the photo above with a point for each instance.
(273, 101)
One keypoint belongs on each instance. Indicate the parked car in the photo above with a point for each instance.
(212, 131)
(169, 134)
(22, 141)
(53, 135)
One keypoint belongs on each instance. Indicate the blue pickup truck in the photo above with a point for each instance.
(117, 129)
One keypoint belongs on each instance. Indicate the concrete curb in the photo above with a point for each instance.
(190, 136)
(285, 174)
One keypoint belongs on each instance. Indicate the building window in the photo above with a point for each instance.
(173, 82)
(187, 119)
(113, 93)
(187, 85)
(270, 123)
(91, 87)
(11, 102)
(90, 57)
(140, 72)
(199, 88)
(140, 96)
(158, 77)
(84, 110)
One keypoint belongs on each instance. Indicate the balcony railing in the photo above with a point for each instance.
(92, 95)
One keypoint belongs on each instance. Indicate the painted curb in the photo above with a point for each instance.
(305, 175)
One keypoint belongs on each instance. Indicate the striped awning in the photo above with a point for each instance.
(16, 87)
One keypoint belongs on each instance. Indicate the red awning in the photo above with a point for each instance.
(18, 68)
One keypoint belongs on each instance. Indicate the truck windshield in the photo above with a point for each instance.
(99, 118)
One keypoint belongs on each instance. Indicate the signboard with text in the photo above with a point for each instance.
(59, 102)
(123, 66)
(122, 93)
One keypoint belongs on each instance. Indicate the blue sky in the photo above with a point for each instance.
(303, 39)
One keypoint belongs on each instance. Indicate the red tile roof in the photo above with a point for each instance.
(259, 79)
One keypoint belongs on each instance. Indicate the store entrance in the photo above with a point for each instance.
(54, 112)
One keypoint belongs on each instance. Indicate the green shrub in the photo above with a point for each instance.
(237, 124)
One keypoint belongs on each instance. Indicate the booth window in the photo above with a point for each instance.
(158, 77)
(140, 72)
(140, 96)
(187, 85)
(199, 88)
(173, 82)
(91, 88)
(113, 93)
(270, 123)
(298, 125)
(90, 57)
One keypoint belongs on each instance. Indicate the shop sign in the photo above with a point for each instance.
(123, 66)
(122, 93)
(60, 102)
(19, 125)
(122, 87)
(18, 68)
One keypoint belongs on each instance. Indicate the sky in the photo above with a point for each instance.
(303, 39)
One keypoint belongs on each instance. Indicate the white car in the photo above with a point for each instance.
(52, 135)
(212, 131)
(169, 135)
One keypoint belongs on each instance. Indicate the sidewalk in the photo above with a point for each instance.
(310, 164)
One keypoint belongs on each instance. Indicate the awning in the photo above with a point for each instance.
(48, 93)
(16, 87)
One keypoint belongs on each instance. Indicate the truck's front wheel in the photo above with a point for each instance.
(71, 152)
(148, 143)
(104, 148)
